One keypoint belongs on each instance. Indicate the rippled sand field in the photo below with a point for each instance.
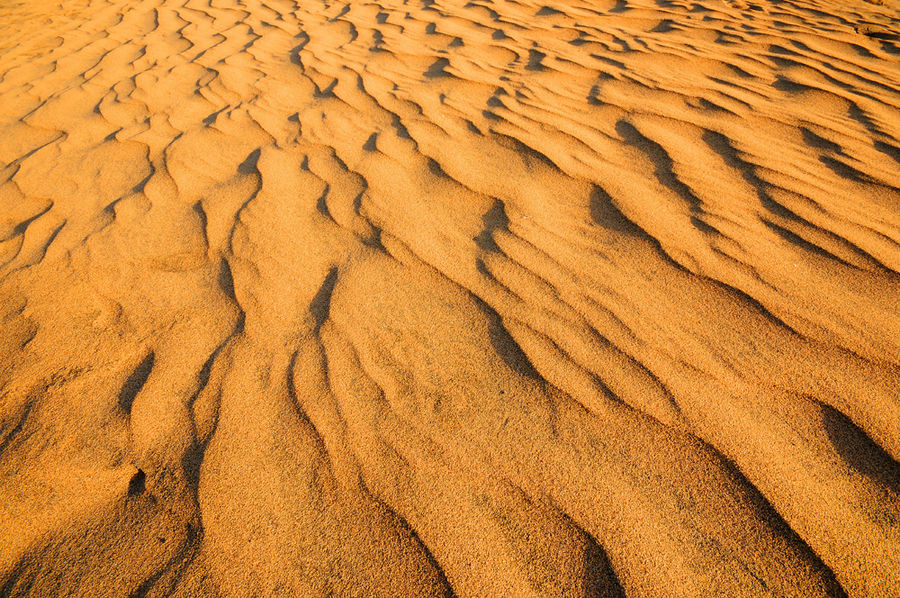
(443, 297)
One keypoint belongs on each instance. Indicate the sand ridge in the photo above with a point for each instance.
(433, 297)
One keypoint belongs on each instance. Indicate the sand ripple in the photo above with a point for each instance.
(445, 297)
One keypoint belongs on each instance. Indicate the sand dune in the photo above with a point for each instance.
(445, 297)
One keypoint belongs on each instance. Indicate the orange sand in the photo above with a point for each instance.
(450, 297)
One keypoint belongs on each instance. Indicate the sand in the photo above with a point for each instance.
(450, 297)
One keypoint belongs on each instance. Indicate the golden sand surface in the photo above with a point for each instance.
(450, 297)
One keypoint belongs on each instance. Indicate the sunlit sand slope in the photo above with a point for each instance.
(436, 297)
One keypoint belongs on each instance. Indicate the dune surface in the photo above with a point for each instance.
(450, 297)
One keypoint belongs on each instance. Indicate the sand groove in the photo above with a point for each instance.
(450, 298)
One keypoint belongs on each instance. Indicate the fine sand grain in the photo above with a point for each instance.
(450, 297)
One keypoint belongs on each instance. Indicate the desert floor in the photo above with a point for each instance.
(450, 297)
